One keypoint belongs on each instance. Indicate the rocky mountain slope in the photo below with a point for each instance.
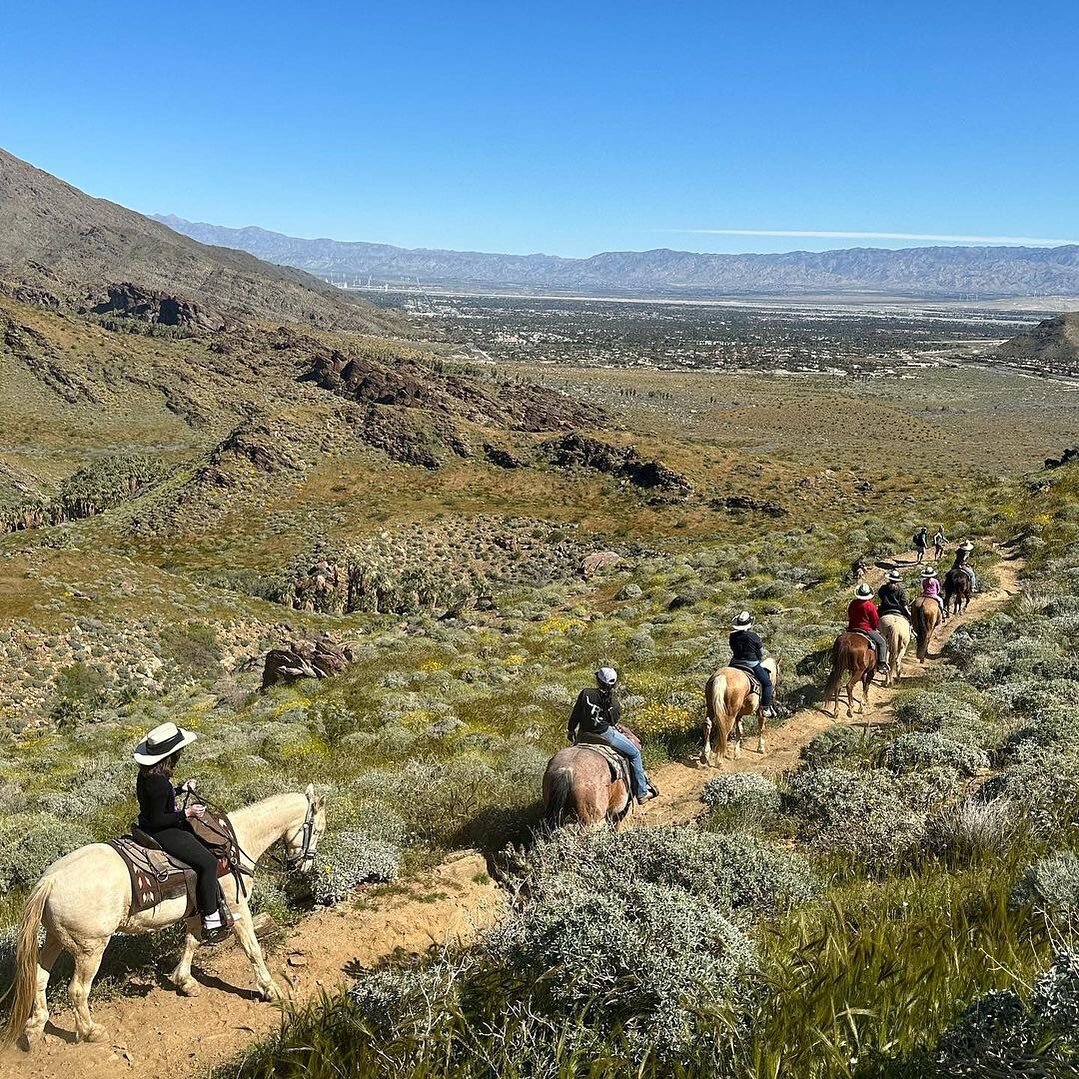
(940, 272)
(1052, 345)
(61, 247)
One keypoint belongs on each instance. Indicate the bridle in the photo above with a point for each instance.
(306, 854)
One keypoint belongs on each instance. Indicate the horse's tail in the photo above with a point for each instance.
(839, 665)
(560, 793)
(26, 955)
(715, 703)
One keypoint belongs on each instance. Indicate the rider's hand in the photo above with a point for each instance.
(188, 786)
(195, 811)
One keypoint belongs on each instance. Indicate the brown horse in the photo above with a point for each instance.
(927, 617)
(728, 696)
(577, 788)
(851, 654)
(958, 590)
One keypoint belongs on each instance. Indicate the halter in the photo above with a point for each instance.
(294, 861)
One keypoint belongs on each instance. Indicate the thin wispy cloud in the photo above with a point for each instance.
(829, 234)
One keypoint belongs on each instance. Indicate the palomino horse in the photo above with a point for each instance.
(926, 614)
(896, 631)
(728, 696)
(577, 786)
(84, 898)
(958, 590)
(851, 654)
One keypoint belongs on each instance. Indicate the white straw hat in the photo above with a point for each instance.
(743, 621)
(161, 742)
(863, 591)
(929, 571)
(895, 576)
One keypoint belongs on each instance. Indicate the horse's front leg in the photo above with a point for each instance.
(760, 729)
(181, 976)
(245, 931)
(87, 962)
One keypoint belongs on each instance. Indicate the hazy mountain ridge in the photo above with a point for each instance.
(971, 272)
(60, 246)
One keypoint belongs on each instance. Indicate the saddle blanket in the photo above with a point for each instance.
(618, 764)
(754, 682)
(865, 636)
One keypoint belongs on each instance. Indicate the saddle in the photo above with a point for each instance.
(156, 876)
(618, 765)
(754, 682)
(865, 636)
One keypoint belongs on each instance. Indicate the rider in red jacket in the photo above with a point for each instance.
(862, 615)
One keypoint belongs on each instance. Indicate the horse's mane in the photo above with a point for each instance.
(242, 812)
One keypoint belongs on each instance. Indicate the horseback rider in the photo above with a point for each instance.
(597, 714)
(863, 617)
(893, 596)
(962, 561)
(931, 586)
(921, 542)
(157, 755)
(940, 541)
(747, 652)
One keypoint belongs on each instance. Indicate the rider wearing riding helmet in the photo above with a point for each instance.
(157, 755)
(597, 714)
(893, 596)
(747, 650)
(863, 617)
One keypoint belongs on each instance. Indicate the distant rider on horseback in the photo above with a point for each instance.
(962, 556)
(863, 617)
(747, 652)
(596, 714)
(157, 755)
(893, 596)
(931, 587)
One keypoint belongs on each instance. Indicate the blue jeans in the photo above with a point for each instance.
(764, 676)
(618, 741)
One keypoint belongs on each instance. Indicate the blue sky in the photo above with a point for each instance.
(568, 128)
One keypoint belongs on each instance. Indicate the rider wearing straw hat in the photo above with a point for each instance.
(156, 756)
(931, 586)
(893, 596)
(747, 650)
(962, 561)
(863, 617)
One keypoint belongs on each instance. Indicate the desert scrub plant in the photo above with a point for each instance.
(30, 843)
(346, 860)
(915, 752)
(833, 745)
(971, 831)
(744, 800)
(1051, 887)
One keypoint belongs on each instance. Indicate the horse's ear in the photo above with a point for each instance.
(320, 802)
(310, 792)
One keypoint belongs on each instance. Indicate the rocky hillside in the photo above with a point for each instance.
(59, 247)
(1051, 346)
(941, 272)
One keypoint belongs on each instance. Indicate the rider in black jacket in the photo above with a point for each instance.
(893, 596)
(747, 650)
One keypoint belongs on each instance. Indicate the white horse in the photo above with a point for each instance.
(896, 630)
(85, 897)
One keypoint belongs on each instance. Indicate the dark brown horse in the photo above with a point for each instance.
(926, 617)
(958, 590)
(577, 788)
(851, 654)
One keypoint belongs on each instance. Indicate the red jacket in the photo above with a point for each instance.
(863, 614)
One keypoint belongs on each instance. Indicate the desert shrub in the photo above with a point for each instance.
(937, 711)
(1051, 724)
(1004, 1035)
(194, 648)
(972, 830)
(742, 799)
(30, 842)
(914, 752)
(1051, 886)
(1042, 781)
(347, 859)
(833, 745)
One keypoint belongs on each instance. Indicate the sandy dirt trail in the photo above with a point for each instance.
(155, 1032)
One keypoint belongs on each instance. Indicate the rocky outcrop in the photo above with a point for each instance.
(1051, 346)
(501, 457)
(305, 659)
(598, 560)
(748, 504)
(575, 451)
(158, 308)
(1066, 458)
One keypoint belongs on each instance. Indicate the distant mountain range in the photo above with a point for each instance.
(62, 247)
(980, 273)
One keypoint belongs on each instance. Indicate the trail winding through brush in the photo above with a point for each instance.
(153, 1031)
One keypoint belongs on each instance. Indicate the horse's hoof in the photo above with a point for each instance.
(32, 1035)
(270, 993)
(188, 988)
(97, 1033)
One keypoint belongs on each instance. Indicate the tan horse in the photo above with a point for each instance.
(927, 616)
(728, 697)
(577, 788)
(851, 654)
(85, 897)
(896, 630)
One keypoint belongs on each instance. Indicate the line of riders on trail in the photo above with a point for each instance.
(596, 715)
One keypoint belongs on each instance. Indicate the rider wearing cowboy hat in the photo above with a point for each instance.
(747, 650)
(893, 596)
(597, 714)
(156, 756)
(863, 617)
(962, 561)
(931, 586)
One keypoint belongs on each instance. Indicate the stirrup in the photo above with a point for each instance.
(215, 935)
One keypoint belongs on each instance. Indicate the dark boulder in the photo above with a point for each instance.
(305, 659)
(159, 308)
